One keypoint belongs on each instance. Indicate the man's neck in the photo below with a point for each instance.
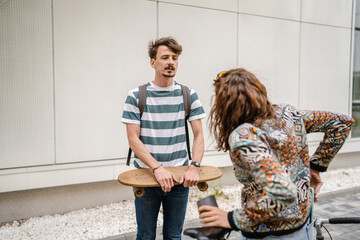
(162, 81)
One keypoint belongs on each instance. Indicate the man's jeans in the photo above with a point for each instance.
(174, 209)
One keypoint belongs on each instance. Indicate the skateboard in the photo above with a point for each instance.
(140, 178)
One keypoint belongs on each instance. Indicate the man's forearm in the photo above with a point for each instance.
(198, 149)
(198, 144)
(142, 153)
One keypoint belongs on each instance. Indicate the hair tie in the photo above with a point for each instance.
(220, 75)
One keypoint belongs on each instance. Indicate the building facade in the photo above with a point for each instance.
(66, 68)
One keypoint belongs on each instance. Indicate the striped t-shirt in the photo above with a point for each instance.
(162, 125)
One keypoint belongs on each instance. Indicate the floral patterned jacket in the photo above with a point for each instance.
(272, 162)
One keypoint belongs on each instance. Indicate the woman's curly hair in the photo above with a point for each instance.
(239, 98)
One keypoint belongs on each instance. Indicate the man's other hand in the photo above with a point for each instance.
(190, 177)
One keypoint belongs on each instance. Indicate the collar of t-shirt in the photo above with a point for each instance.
(169, 88)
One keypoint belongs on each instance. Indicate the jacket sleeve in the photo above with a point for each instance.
(336, 128)
(272, 188)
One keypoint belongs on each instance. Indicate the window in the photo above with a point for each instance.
(356, 74)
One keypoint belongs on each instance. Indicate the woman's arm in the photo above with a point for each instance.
(336, 128)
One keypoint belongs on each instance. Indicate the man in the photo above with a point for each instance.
(158, 140)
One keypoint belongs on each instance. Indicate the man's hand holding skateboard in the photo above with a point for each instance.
(166, 178)
(190, 177)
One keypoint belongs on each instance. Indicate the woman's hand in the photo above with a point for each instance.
(213, 217)
(315, 182)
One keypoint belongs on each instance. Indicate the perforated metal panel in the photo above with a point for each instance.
(100, 54)
(26, 84)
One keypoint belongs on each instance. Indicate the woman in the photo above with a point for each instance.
(269, 151)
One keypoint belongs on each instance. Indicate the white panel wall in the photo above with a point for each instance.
(287, 9)
(227, 5)
(209, 45)
(269, 48)
(90, 53)
(26, 84)
(357, 16)
(100, 54)
(328, 12)
(325, 68)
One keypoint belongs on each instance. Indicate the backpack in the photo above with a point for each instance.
(187, 107)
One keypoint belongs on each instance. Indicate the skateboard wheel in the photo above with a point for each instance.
(138, 192)
(203, 186)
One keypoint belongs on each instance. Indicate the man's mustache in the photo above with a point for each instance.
(170, 68)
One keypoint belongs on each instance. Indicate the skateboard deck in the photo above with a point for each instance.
(140, 178)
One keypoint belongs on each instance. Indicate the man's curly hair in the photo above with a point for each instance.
(170, 42)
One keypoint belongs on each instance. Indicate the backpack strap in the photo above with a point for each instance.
(141, 105)
(187, 107)
(142, 99)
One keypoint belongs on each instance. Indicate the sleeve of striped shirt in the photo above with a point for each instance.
(131, 113)
(197, 111)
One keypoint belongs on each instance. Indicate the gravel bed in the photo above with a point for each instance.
(118, 218)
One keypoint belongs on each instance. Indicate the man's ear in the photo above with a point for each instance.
(152, 63)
